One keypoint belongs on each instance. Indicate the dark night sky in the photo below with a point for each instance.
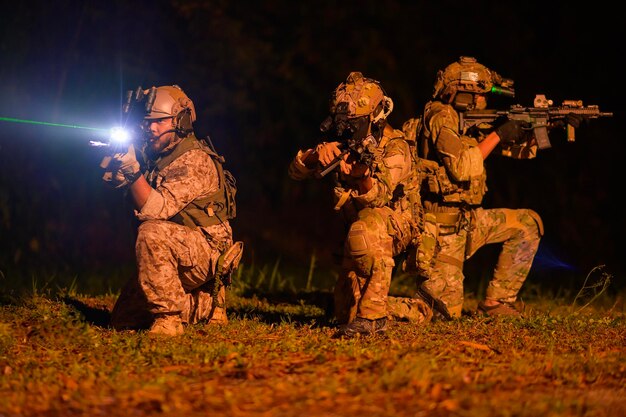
(260, 74)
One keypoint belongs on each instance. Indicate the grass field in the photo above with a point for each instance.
(277, 357)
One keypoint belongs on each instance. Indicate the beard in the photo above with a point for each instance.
(155, 146)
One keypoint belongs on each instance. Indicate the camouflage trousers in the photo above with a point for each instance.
(347, 295)
(362, 289)
(175, 265)
(518, 230)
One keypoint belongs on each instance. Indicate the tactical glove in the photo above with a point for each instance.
(114, 179)
(513, 131)
(121, 164)
(128, 164)
(571, 119)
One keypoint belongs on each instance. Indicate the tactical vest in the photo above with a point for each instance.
(406, 189)
(406, 196)
(436, 179)
(212, 209)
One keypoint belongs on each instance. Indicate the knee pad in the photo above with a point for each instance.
(535, 216)
(363, 236)
(359, 247)
(358, 242)
(363, 243)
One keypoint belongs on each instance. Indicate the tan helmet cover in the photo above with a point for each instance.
(362, 96)
(464, 75)
(169, 101)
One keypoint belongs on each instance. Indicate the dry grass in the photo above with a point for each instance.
(277, 357)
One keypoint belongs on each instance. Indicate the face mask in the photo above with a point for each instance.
(344, 128)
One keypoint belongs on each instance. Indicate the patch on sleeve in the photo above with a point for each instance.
(178, 171)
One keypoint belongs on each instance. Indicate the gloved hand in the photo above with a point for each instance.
(127, 160)
(576, 120)
(355, 169)
(513, 131)
(114, 179)
(122, 164)
(571, 119)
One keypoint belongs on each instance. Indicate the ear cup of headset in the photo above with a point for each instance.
(387, 107)
(183, 122)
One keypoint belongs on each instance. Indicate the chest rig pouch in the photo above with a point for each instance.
(214, 208)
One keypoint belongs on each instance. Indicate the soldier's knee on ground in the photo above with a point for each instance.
(408, 309)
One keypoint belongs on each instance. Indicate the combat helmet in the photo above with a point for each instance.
(468, 76)
(356, 105)
(170, 101)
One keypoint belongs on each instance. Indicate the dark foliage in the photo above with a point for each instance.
(260, 74)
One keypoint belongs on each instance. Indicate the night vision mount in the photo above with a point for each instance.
(136, 97)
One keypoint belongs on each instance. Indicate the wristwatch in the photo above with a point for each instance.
(131, 178)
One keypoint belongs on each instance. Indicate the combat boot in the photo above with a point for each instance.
(167, 324)
(361, 326)
(219, 316)
(500, 309)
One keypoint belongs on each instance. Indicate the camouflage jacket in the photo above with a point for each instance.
(461, 177)
(189, 177)
(393, 176)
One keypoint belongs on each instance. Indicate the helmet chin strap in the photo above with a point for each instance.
(166, 132)
(177, 129)
(149, 134)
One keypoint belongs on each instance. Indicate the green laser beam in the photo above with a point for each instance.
(35, 122)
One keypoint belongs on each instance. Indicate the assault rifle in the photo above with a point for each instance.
(360, 148)
(540, 117)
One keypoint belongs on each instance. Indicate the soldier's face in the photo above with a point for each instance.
(160, 133)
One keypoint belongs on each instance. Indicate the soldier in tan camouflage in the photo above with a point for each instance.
(456, 184)
(377, 194)
(184, 245)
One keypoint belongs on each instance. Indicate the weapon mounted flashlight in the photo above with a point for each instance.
(121, 136)
(118, 137)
